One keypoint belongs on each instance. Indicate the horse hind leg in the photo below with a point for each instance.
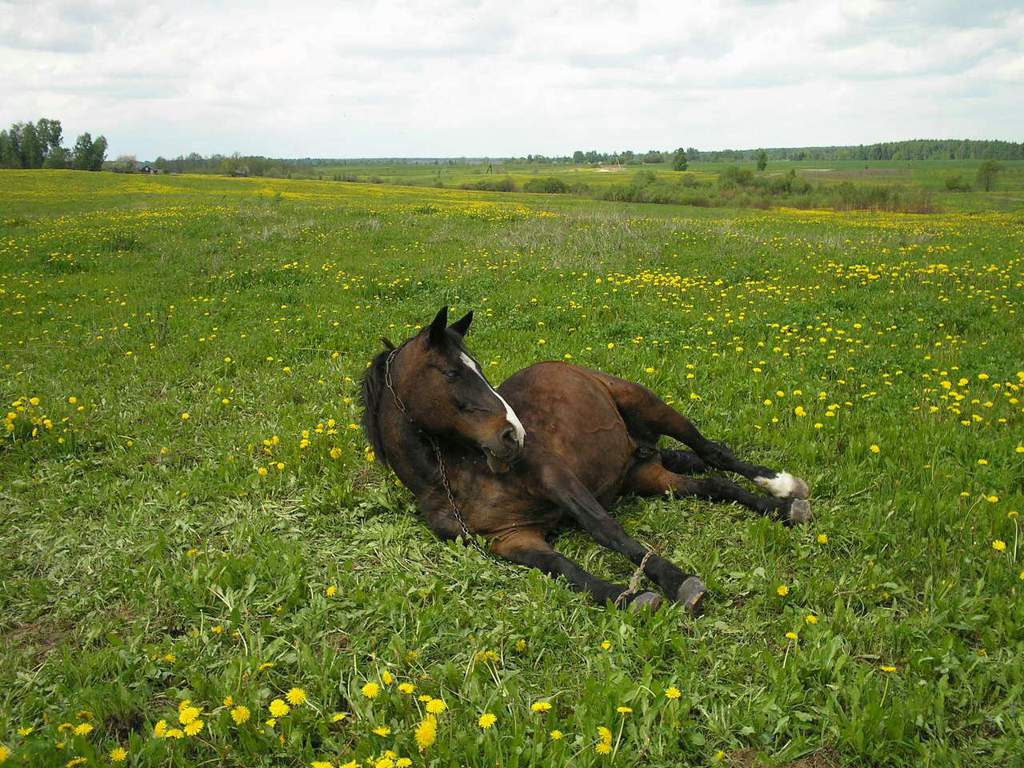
(648, 417)
(653, 479)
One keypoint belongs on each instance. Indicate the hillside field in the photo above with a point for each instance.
(204, 564)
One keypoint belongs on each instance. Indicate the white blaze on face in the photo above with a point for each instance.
(510, 415)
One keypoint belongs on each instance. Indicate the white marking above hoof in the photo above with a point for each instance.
(782, 485)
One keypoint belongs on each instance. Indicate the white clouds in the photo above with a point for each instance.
(483, 77)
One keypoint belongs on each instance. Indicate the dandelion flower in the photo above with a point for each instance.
(5, 753)
(487, 720)
(603, 748)
(436, 706)
(406, 688)
(540, 706)
(118, 755)
(624, 710)
(278, 708)
(371, 690)
(382, 730)
(792, 636)
(426, 733)
(387, 678)
(556, 735)
(672, 692)
(999, 545)
(888, 668)
(331, 591)
(194, 727)
(874, 448)
(606, 646)
(337, 717)
(335, 453)
(403, 762)
(321, 764)
(520, 645)
(782, 590)
(822, 538)
(296, 696)
(83, 729)
(240, 714)
(188, 714)
(160, 729)
(604, 733)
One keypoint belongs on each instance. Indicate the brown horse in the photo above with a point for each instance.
(555, 444)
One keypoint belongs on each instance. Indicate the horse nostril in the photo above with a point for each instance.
(509, 437)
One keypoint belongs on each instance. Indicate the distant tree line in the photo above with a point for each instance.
(917, 149)
(40, 145)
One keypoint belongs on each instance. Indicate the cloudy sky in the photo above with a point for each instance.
(466, 77)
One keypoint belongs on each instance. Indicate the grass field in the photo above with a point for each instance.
(203, 564)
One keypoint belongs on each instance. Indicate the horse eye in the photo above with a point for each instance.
(451, 375)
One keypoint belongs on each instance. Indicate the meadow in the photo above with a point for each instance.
(204, 564)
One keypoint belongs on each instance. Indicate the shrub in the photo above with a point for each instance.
(547, 185)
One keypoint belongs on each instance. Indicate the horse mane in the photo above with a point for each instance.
(374, 384)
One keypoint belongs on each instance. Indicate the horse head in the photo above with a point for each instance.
(445, 393)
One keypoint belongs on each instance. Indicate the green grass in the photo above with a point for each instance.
(147, 561)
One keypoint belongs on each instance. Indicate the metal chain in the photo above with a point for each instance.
(388, 382)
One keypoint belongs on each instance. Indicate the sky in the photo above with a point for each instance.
(483, 78)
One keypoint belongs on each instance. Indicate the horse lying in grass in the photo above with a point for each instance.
(554, 444)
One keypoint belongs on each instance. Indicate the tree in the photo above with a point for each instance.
(50, 134)
(577, 157)
(30, 147)
(987, 172)
(762, 160)
(679, 161)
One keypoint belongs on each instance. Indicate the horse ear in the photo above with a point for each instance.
(438, 327)
(461, 326)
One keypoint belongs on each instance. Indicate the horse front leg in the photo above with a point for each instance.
(529, 548)
(566, 490)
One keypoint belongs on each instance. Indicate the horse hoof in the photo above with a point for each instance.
(691, 594)
(646, 601)
(799, 512)
(800, 489)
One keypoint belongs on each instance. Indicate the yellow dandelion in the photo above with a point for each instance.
(331, 591)
(999, 545)
(160, 729)
(278, 708)
(672, 692)
(782, 590)
(387, 678)
(603, 748)
(296, 696)
(792, 636)
(436, 706)
(83, 729)
(888, 668)
(810, 618)
(606, 645)
(185, 416)
(556, 735)
(240, 714)
(188, 714)
(5, 753)
(337, 717)
(874, 448)
(321, 764)
(382, 730)
(193, 728)
(540, 706)
(406, 688)
(487, 719)
(822, 538)
(624, 710)
(403, 762)
(118, 755)
(371, 690)
(604, 733)
(426, 733)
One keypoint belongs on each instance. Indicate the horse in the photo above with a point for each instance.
(555, 445)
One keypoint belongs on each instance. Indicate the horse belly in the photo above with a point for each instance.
(571, 416)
